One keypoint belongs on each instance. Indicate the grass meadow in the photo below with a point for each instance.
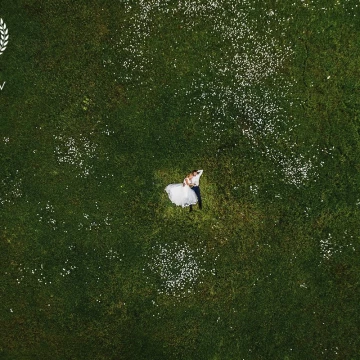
(107, 102)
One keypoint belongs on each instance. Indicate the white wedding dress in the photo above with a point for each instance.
(181, 194)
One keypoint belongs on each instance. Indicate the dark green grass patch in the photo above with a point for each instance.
(104, 105)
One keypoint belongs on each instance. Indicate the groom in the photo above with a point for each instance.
(195, 186)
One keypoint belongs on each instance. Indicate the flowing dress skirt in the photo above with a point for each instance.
(181, 195)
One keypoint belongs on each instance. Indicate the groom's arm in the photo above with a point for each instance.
(200, 172)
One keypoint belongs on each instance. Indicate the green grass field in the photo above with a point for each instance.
(107, 102)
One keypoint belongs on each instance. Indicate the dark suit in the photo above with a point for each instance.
(195, 180)
(198, 194)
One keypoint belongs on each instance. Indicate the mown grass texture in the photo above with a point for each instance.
(105, 103)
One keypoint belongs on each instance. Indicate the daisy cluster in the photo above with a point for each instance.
(350, 6)
(26, 271)
(178, 267)
(329, 350)
(45, 275)
(46, 214)
(237, 99)
(67, 269)
(329, 247)
(146, 8)
(11, 188)
(90, 223)
(132, 41)
(71, 267)
(107, 131)
(245, 94)
(253, 188)
(296, 168)
(76, 152)
(254, 112)
(113, 255)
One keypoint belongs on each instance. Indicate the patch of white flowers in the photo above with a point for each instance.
(45, 275)
(329, 247)
(67, 269)
(313, 5)
(178, 267)
(47, 214)
(11, 188)
(254, 189)
(27, 271)
(76, 152)
(244, 80)
(113, 255)
(91, 223)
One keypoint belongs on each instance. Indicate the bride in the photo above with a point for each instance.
(182, 194)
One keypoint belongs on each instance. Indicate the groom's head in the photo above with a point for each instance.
(194, 172)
